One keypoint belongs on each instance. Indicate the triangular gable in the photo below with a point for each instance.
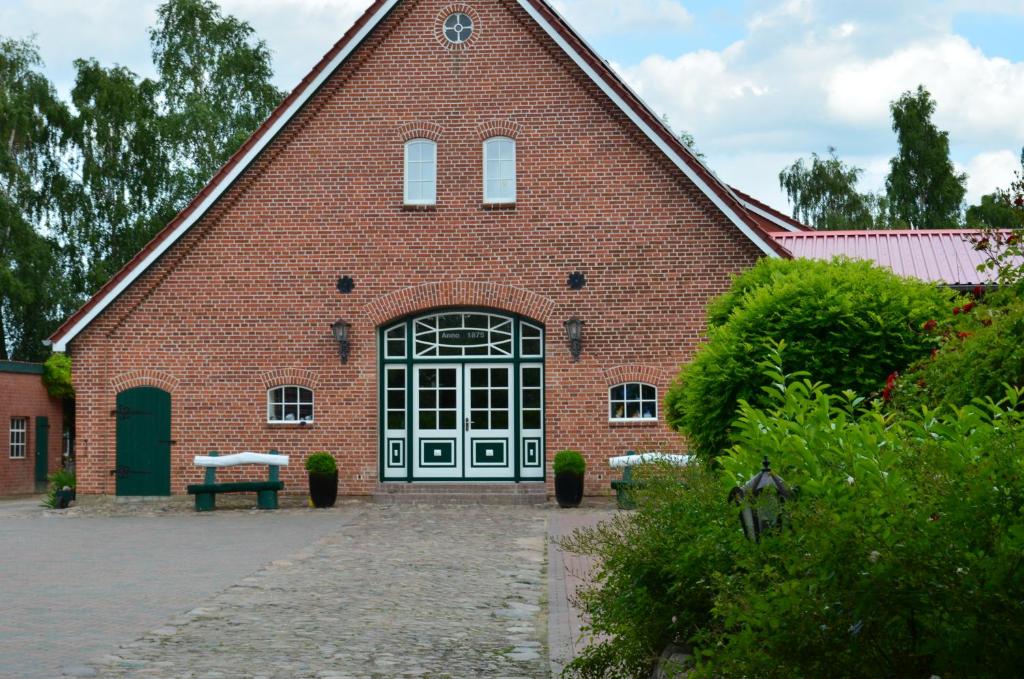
(556, 28)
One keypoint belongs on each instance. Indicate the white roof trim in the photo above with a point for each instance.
(61, 343)
(768, 215)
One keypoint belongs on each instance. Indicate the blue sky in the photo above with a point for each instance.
(759, 83)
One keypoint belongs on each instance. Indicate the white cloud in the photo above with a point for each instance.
(602, 17)
(980, 98)
(990, 170)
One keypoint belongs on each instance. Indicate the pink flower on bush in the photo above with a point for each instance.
(930, 325)
(956, 311)
(963, 335)
(968, 307)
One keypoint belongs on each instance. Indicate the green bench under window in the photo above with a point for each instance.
(266, 491)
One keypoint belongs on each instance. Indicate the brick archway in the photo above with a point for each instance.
(459, 293)
(144, 378)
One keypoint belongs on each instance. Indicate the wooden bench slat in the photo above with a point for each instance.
(235, 487)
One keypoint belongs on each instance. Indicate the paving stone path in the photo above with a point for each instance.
(395, 591)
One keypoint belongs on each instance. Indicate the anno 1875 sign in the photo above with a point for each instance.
(463, 336)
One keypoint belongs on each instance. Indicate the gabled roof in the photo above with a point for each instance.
(563, 35)
(938, 256)
(770, 218)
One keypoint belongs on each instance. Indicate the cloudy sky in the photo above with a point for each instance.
(759, 83)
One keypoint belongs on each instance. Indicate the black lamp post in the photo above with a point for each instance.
(766, 512)
(341, 330)
(574, 330)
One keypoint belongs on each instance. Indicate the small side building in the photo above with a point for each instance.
(33, 422)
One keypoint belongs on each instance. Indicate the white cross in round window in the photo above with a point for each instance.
(458, 27)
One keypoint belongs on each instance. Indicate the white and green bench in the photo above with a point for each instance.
(266, 491)
(625, 486)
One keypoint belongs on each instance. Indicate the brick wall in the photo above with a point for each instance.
(23, 395)
(251, 289)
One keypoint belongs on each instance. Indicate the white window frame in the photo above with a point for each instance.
(19, 438)
(495, 142)
(625, 401)
(432, 164)
(298, 403)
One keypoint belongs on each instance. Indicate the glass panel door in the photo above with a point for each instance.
(437, 430)
(488, 452)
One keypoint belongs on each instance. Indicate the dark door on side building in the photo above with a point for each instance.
(42, 449)
(143, 442)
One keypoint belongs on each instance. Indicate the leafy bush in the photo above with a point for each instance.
(900, 554)
(321, 463)
(570, 461)
(979, 355)
(58, 481)
(57, 376)
(847, 323)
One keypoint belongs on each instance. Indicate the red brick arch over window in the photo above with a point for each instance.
(144, 378)
(420, 129)
(636, 373)
(456, 294)
(498, 128)
(288, 377)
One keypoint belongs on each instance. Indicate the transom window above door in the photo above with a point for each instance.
(459, 334)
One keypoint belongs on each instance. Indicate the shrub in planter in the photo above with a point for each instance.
(59, 481)
(569, 469)
(323, 479)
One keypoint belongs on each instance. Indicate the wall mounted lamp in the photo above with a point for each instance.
(574, 330)
(341, 331)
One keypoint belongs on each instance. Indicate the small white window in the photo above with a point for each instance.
(499, 170)
(19, 433)
(420, 172)
(289, 405)
(633, 401)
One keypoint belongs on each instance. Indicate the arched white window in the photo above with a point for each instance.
(289, 405)
(632, 401)
(420, 172)
(499, 170)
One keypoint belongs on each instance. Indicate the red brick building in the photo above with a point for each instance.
(454, 182)
(33, 423)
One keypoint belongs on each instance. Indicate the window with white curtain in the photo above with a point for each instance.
(420, 172)
(500, 170)
(289, 405)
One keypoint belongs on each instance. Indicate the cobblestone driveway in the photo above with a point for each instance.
(395, 591)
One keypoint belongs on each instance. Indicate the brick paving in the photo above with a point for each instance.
(358, 591)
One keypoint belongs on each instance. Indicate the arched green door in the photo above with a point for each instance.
(143, 442)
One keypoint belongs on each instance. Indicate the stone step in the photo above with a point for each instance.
(469, 493)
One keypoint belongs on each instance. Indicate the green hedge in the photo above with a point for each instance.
(849, 324)
(900, 554)
(321, 463)
(570, 461)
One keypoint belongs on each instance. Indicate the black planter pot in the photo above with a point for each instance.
(323, 489)
(568, 489)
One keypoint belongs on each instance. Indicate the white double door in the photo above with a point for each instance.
(463, 421)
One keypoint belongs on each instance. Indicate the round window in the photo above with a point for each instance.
(458, 27)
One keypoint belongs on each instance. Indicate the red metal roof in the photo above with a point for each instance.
(938, 256)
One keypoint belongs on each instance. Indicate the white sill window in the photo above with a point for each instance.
(420, 172)
(289, 405)
(499, 171)
(633, 402)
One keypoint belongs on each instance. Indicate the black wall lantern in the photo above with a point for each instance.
(341, 331)
(761, 512)
(574, 330)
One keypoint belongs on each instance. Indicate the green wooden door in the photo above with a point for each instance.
(143, 442)
(42, 448)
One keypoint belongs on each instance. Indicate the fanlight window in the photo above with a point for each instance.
(633, 401)
(289, 405)
(459, 334)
